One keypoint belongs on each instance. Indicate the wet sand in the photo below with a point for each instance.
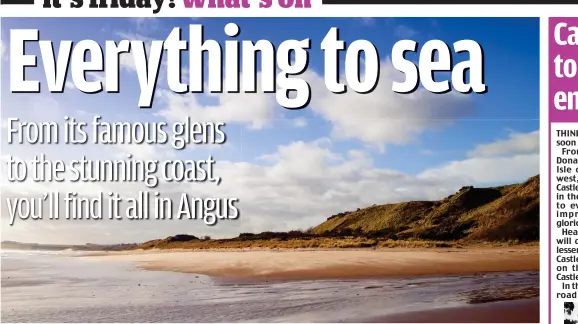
(48, 287)
(519, 311)
(331, 264)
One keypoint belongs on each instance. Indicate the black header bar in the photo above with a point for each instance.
(16, 2)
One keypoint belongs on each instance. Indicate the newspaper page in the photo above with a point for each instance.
(288, 161)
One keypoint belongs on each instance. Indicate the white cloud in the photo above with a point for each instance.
(487, 169)
(388, 117)
(300, 122)
(368, 21)
(91, 76)
(126, 60)
(98, 76)
(145, 23)
(134, 36)
(296, 186)
(254, 109)
(404, 32)
(516, 143)
(3, 47)
(427, 152)
(505, 160)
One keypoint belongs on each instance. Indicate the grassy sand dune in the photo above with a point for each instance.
(498, 216)
(493, 214)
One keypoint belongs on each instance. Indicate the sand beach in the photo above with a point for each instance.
(332, 264)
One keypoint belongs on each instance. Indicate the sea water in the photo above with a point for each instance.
(62, 287)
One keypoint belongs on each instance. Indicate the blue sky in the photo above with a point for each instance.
(443, 141)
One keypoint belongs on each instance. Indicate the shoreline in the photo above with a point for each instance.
(317, 264)
(510, 297)
(524, 248)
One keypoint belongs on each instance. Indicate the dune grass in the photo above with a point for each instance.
(324, 243)
(497, 216)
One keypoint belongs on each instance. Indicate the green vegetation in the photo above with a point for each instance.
(488, 214)
(503, 216)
